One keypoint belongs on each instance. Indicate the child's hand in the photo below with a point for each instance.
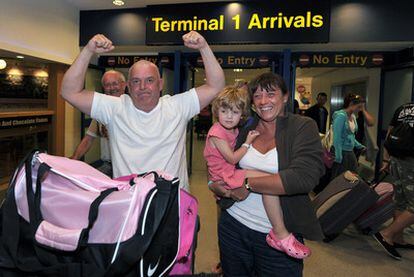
(251, 136)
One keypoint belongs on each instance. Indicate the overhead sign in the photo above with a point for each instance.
(293, 21)
(240, 60)
(128, 61)
(339, 59)
(15, 122)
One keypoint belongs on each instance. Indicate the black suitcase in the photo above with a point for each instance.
(372, 219)
(341, 202)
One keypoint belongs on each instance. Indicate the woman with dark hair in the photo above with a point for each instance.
(344, 128)
(288, 148)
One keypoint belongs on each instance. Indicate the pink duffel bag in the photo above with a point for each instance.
(62, 217)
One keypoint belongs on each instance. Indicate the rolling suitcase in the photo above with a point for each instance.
(372, 219)
(344, 199)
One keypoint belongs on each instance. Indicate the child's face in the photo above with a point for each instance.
(229, 118)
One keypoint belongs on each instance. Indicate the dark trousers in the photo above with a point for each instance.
(349, 162)
(245, 252)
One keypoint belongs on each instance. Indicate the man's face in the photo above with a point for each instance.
(145, 85)
(113, 85)
(321, 100)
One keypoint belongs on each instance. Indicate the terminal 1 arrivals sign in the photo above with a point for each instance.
(340, 59)
(270, 22)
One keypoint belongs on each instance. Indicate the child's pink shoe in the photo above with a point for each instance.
(290, 245)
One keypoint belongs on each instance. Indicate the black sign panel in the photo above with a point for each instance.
(293, 21)
(240, 59)
(128, 61)
(340, 59)
(15, 122)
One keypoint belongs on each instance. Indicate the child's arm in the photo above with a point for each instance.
(224, 148)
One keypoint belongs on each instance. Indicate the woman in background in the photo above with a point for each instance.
(344, 128)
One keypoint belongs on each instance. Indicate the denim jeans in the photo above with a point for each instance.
(245, 252)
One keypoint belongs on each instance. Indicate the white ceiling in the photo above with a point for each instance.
(107, 4)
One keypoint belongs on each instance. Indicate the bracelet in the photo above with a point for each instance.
(386, 161)
(246, 145)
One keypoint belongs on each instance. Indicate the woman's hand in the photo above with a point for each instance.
(385, 166)
(239, 194)
(219, 189)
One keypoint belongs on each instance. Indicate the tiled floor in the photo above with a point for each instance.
(351, 254)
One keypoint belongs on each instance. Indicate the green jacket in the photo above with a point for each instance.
(343, 137)
(300, 167)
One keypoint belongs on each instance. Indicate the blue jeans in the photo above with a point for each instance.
(245, 252)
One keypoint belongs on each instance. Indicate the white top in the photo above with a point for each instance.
(141, 141)
(250, 212)
(95, 130)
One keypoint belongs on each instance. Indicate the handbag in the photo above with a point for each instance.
(327, 141)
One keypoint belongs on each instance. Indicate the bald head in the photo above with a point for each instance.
(113, 83)
(144, 64)
(145, 85)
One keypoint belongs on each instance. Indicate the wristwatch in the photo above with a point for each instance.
(246, 185)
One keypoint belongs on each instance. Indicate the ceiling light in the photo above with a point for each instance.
(15, 72)
(118, 2)
(3, 64)
(41, 73)
(20, 57)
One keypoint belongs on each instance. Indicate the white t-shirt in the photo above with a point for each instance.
(251, 212)
(95, 130)
(141, 141)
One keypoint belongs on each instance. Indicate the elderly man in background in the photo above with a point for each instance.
(114, 84)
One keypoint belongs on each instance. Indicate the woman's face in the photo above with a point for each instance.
(269, 104)
(356, 108)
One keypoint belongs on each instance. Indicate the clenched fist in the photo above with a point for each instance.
(100, 44)
(194, 40)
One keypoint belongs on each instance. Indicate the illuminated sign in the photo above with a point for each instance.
(291, 21)
(339, 59)
(15, 122)
(240, 60)
(128, 61)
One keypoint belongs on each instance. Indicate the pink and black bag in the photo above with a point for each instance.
(189, 225)
(62, 217)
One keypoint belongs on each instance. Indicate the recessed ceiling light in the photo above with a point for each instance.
(3, 64)
(20, 57)
(118, 2)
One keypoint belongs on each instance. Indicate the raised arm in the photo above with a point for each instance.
(369, 118)
(73, 81)
(215, 80)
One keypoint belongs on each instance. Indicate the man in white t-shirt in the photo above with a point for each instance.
(114, 84)
(147, 132)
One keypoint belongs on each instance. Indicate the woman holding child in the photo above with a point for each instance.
(254, 238)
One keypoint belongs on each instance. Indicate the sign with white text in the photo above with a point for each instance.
(339, 59)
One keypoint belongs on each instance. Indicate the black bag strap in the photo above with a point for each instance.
(11, 222)
(93, 215)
